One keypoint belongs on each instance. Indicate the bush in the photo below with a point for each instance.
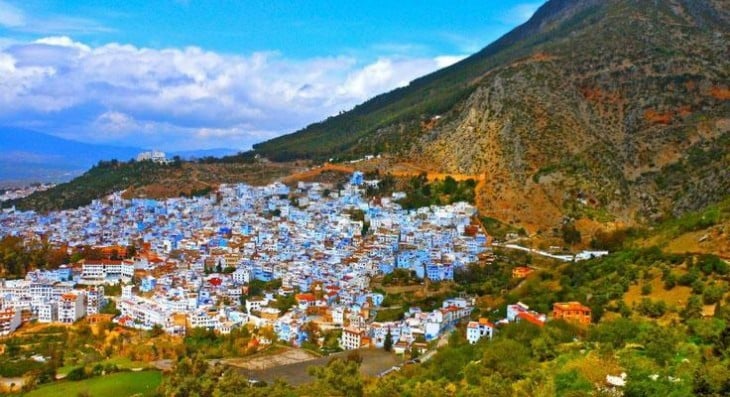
(713, 293)
(78, 373)
(653, 309)
(712, 264)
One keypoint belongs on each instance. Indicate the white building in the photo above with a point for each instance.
(9, 321)
(71, 307)
(153, 155)
(48, 312)
(107, 270)
(255, 304)
(351, 339)
(476, 330)
(242, 275)
(338, 315)
(95, 300)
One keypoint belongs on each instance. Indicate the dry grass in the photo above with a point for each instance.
(275, 358)
(676, 297)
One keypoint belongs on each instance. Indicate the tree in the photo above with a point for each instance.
(337, 378)
(693, 308)
(713, 293)
(571, 235)
(512, 365)
(449, 185)
(388, 342)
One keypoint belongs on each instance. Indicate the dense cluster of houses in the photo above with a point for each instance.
(198, 257)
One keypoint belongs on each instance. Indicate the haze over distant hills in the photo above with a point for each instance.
(30, 156)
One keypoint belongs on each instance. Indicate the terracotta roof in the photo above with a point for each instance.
(530, 318)
(577, 306)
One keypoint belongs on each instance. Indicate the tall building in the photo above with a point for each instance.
(71, 307)
(10, 320)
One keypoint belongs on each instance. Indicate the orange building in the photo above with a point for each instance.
(572, 311)
(521, 272)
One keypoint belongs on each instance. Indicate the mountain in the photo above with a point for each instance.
(29, 156)
(611, 110)
(199, 154)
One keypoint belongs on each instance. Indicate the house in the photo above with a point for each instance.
(572, 312)
(48, 313)
(305, 300)
(476, 330)
(255, 304)
(95, 300)
(71, 307)
(351, 339)
(10, 320)
(400, 347)
(520, 311)
(338, 315)
(148, 284)
(521, 272)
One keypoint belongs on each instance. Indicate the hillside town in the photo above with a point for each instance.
(200, 256)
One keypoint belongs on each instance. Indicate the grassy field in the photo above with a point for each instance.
(120, 384)
(121, 362)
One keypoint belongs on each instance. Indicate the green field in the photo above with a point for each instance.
(121, 362)
(120, 384)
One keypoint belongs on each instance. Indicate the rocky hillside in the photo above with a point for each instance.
(613, 110)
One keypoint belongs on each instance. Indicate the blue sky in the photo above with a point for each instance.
(200, 74)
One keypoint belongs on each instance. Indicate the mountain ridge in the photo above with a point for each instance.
(32, 156)
(616, 110)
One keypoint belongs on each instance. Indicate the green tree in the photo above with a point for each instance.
(338, 378)
(693, 309)
(512, 365)
(388, 342)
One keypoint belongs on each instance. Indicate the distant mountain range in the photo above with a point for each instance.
(30, 156)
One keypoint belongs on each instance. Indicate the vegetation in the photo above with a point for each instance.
(104, 178)
(571, 129)
(422, 193)
(666, 345)
(17, 257)
(152, 180)
(143, 383)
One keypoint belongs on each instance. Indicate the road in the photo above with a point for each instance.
(564, 258)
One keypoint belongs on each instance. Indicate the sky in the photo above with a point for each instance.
(199, 74)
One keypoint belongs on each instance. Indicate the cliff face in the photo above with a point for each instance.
(614, 110)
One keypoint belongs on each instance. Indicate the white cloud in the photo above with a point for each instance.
(16, 19)
(11, 16)
(185, 98)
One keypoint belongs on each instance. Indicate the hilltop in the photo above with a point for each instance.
(32, 156)
(151, 180)
(611, 111)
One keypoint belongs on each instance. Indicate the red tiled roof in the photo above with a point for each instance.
(530, 318)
